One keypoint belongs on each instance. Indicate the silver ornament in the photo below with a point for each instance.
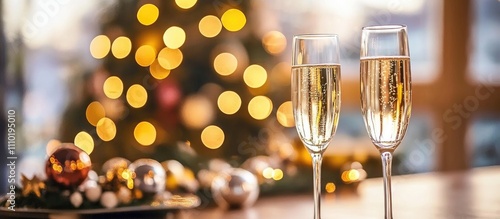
(149, 176)
(235, 188)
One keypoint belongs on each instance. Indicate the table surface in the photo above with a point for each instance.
(469, 194)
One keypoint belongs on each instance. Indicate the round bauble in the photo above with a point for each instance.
(68, 166)
(235, 188)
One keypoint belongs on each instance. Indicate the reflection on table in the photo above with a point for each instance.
(469, 194)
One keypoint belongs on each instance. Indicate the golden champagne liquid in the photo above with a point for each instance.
(386, 99)
(316, 103)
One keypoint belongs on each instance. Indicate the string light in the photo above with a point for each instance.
(174, 37)
(145, 133)
(100, 46)
(274, 42)
(121, 47)
(260, 107)
(106, 129)
(229, 102)
(148, 14)
(113, 87)
(212, 137)
(255, 76)
(284, 114)
(210, 26)
(84, 141)
(145, 55)
(137, 96)
(157, 71)
(185, 4)
(225, 64)
(170, 58)
(233, 20)
(94, 112)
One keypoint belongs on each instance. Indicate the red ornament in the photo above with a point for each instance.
(68, 165)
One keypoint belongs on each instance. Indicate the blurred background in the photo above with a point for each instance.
(207, 83)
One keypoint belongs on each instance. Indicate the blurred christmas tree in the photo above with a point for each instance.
(182, 71)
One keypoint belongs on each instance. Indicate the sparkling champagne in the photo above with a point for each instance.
(316, 102)
(386, 98)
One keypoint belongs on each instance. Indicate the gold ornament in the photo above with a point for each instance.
(33, 185)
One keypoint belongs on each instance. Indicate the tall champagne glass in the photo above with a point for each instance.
(385, 93)
(316, 97)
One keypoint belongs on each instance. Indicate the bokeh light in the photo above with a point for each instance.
(84, 141)
(229, 102)
(145, 55)
(284, 114)
(233, 20)
(106, 129)
(113, 87)
(260, 107)
(268, 173)
(197, 111)
(52, 146)
(94, 112)
(212, 137)
(185, 4)
(137, 96)
(145, 133)
(148, 14)
(277, 174)
(225, 64)
(210, 26)
(274, 42)
(100, 46)
(255, 76)
(157, 71)
(170, 58)
(121, 47)
(330, 187)
(174, 37)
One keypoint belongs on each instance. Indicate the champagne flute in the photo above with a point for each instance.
(316, 97)
(385, 93)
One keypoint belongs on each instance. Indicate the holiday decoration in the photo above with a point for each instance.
(235, 188)
(116, 172)
(33, 185)
(76, 199)
(179, 177)
(149, 176)
(109, 199)
(68, 166)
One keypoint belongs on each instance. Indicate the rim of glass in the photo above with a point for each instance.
(315, 35)
(385, 27)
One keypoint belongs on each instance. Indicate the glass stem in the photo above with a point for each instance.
(317, 159)
(387, 165)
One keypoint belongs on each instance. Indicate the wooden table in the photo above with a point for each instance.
(469, 194)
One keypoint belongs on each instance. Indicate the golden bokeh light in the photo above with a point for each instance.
(94, 112)
(260, 107)
(185, 4)
(113, 87)
(225, 64)
(274, 42)
(84, 141)
(284, 114)
(106, 129)
(210, 26)
(100, 46)
(277, 174)
(330, 187)
(170, 58)
(145, 55)
(137, 96)
(157, 71)
(174, 37)
(121, 47)
(229, 102)
(197, 111)
(52, 146)
(233, 20)
(255, 76)
(268, 173)
(145, 133)
(148, 14)
(212, 137)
